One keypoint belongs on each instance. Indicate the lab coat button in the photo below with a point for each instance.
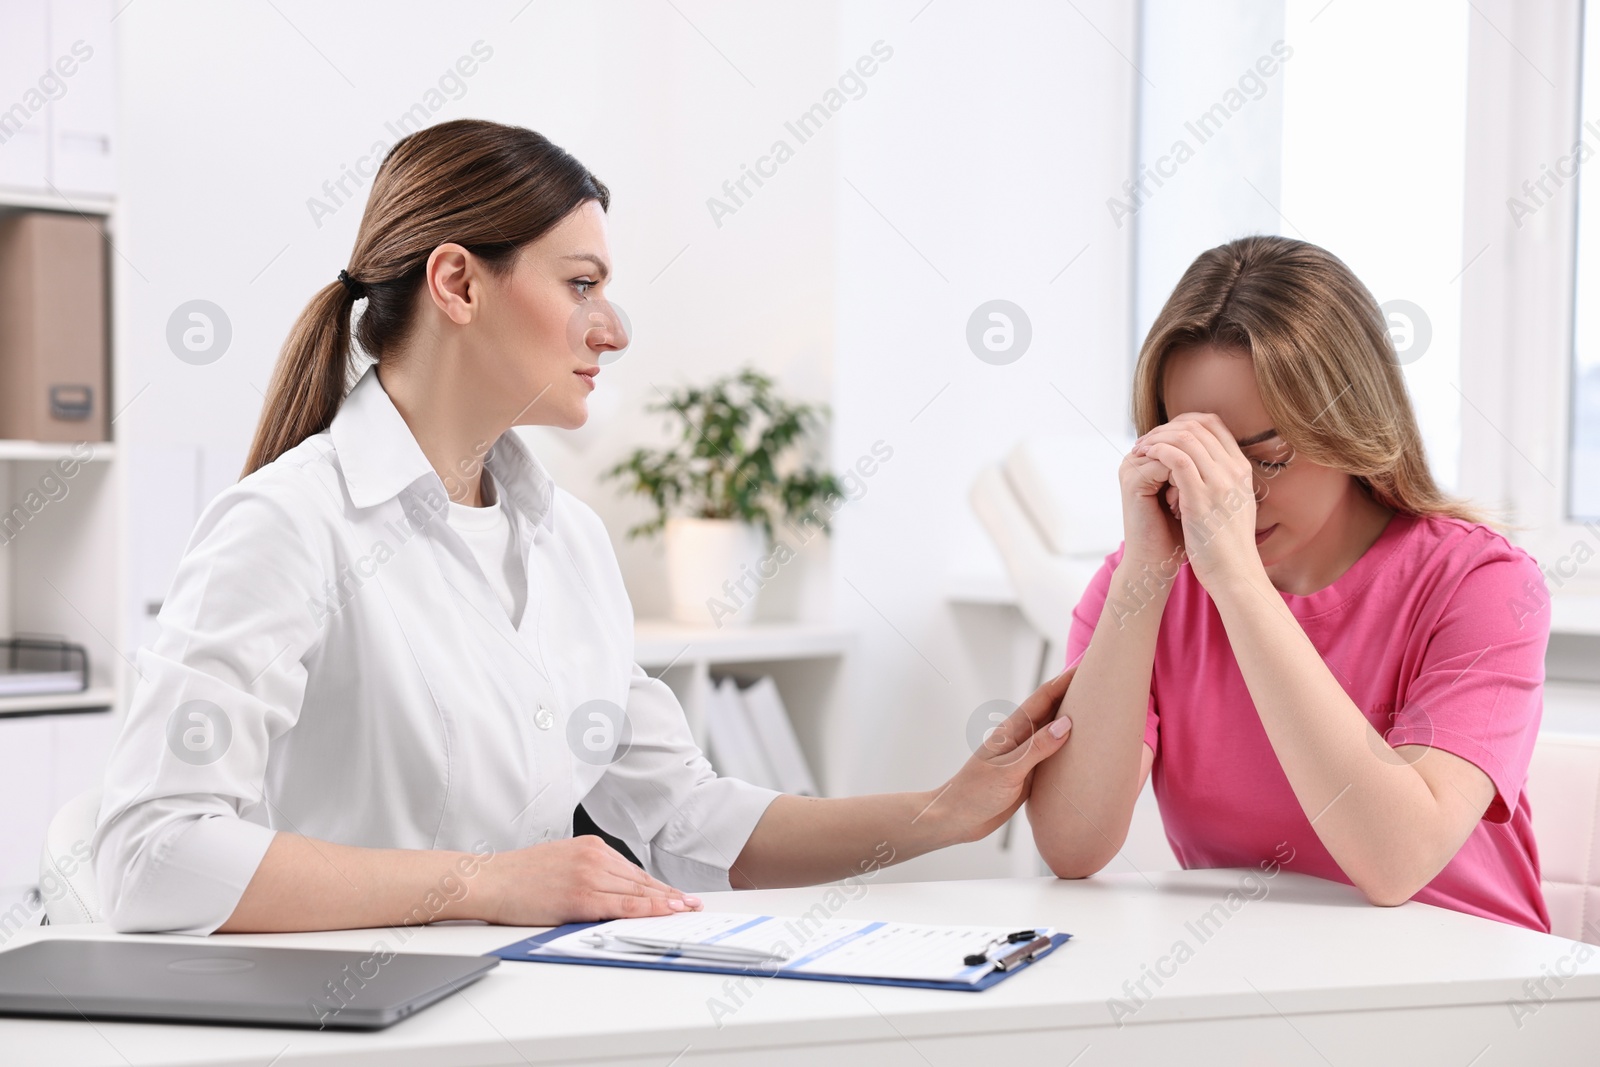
(544, 718)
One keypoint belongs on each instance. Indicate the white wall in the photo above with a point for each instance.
(1371, 168)
(1204, 184)
(1374, 169)
(225, 148)
(983, 167)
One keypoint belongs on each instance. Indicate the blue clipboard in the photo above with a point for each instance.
(528, 950)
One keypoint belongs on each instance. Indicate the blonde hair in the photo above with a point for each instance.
(1324, 363)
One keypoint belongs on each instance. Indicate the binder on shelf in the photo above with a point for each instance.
(735, 751)
(52, 328)
(776, 733)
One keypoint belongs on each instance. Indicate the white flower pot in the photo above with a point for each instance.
(713, 570)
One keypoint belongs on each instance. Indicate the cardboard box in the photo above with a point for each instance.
(52, 328)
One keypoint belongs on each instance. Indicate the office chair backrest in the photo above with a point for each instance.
(1053, 507)
(1068, 486)
(1564, 793)
(66, 870)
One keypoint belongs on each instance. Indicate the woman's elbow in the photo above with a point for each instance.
(1073, 860)
(1074, 870)
(1385, 897)
(1388, 889)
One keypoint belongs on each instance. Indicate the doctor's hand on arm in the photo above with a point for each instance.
(304, 884)
(807, 840)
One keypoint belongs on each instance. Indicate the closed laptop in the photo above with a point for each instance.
(178, 981)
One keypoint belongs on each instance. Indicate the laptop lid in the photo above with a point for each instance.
(167, 981)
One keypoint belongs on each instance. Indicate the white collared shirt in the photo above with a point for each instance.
(332, 661)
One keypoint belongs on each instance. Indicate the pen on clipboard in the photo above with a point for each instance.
(691, 949)
(1032, 941)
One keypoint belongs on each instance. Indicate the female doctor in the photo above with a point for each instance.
(395, 657)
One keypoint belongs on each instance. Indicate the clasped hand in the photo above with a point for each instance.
(1189, 490)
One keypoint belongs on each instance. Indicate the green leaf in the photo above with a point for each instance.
(735, 434)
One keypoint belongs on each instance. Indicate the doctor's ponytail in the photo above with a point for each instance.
(488, 187)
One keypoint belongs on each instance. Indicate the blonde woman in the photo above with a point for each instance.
(1326, 662)
(394, 680)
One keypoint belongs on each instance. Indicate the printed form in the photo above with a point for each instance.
(834, 947)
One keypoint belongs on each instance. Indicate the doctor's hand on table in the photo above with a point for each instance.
(319, 885)
(580, 879)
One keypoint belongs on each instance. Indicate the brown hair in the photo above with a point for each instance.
(1323, 357)
(488, 187)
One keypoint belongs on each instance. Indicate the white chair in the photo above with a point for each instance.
(1564, 792)
(66, 871)
(1053, 507)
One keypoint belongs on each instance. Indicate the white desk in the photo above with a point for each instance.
(1309, 974)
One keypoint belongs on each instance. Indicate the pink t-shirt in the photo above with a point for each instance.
(1437, 633)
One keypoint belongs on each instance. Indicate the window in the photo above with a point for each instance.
(1251, 120)
(1583, 478)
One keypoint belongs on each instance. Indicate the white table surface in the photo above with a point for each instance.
(1308, 973)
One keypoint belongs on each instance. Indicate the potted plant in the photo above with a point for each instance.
(736, 467)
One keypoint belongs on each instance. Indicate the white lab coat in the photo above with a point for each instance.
(332, 662)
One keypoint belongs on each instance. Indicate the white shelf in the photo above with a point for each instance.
(29, 200)
(65, 573)
(92, 699)
(659, 642)
(692, 652)
(52, 450)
